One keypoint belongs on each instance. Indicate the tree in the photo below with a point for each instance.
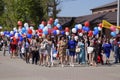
(53, 7)
(1, 7)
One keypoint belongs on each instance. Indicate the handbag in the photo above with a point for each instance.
(78, 50)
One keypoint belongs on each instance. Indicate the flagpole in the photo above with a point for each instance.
(118, 13)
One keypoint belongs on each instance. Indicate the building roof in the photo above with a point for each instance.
(97, 18)
(106, 5)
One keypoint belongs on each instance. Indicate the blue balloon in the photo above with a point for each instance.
(87, 29)
(95, 32)
(5, 32)
(54, 32)
(19, 35)
(21, 38)
(45, 32)
(24, 30)
(55, 23)
(41, 26)
(29, 36)
(60, 28)
(11, 35)
(83, 28)
(113, 34)
(76, 26)
(63, 32)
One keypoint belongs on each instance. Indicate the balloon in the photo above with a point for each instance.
(58, 26)
(50, 31)
(80, 34)
(67, 29)
(43, 22)
(74, 30)
(40, 34)
(19, 23)
(14, 28)
(11, 32)
(117, 31)
(49, 26)
(31, 27)
(63, 32)
(76, 26)
(16, 35)
(2, 33)
(100, 25)
(55, 28)
(21, 38)
(66, 33)
(54, 32)
(45, 32)
(113, 34)
(55, 23)
(95, 32)
(79, 26)
(79, 30)
(33, 32)
(40, 30)
(26, 25)
(113, 28)
(0, 27)
(87, 29)
(87, 24)
(23, 30)
(29, 35)
(99, 28)
(76, 38)
(58, 32)
(56, 20)
(41, 26)
(29, 31)
(90, 33)
(96, 29)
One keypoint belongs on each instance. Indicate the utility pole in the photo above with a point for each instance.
(118, 13)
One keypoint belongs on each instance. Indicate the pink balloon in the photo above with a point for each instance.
(113, 28)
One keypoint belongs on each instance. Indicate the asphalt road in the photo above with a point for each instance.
(17, 69)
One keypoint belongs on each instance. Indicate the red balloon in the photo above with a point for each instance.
(50, 22)
(67, 29)
(50, 31)
(87, 24)
(43, 22)
(55, 28)
(19, 23)
(40, 30)
(40, 34)
(90, 33)
(29, 31)
(100, 25)
(79, 30)
(37, 31)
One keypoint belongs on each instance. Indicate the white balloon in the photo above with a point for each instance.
(56, 20)
(2, 33)
(31, 27)
(0, 27)
(16, 35)
(14, 28)
(76, 38)
(49, 26)
(117, 31)
(79, 26)
(66, 33)
(74, 30)
(99, 28)
(26, 25)
(33, 32)
(58, 25)
(46, 28)
(80, 34)
(11, 32)
(58, 32)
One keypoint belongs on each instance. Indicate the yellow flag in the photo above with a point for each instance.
(106, 24)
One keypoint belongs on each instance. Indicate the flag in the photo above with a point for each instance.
(107, 25)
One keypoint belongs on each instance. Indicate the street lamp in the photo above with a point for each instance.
(118, 13)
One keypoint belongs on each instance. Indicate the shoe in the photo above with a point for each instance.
(62, 65)
(72, 65)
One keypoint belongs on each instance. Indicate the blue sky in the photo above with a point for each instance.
(74, 8)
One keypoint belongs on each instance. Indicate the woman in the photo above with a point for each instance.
(62, 50)
(81, 54)
(90, 50)
(72, 46)
(107, 49)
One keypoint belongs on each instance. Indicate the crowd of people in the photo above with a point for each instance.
(65, 49)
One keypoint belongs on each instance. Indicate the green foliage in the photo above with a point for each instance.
(32, 11)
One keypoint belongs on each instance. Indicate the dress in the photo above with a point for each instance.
(81, 54)
(62, 48)
(107, 47)
(72, 46)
